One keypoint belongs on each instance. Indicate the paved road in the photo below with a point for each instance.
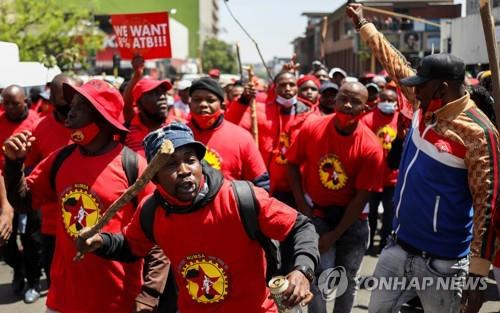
(10, 304)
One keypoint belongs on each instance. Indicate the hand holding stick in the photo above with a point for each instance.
(159, 160)
(253, 109)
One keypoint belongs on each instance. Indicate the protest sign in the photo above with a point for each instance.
(147, 34)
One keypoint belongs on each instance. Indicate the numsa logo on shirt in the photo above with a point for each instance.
(331, 172)
(206, 279)
(386, 136)
(213, 158)
(80, 208)
(284, 144)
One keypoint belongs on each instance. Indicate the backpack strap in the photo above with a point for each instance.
(147, 216)
(130, 163)
(62, 155)
(249, 212)
(247, 207)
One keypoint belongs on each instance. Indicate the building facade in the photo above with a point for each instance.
(343, 47)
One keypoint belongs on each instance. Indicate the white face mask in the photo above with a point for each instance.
(387, 107)
(286, 103)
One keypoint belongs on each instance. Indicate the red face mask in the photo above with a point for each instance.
(434, 105)
(205, 121)
(346, 120)
(83, 136)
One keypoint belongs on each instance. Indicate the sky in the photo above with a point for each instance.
(272, 23)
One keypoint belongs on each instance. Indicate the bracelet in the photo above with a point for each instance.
(361, 23)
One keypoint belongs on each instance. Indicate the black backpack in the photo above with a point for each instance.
(129, 162)
(249, 211)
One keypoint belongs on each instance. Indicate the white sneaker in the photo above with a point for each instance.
(31, 295)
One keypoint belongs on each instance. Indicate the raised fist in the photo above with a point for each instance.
(17, 146)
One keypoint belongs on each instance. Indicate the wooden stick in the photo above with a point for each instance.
(239, 61)
(491, 45)
(253, 109)
(386, 12)
(324, 31)
(158, 161)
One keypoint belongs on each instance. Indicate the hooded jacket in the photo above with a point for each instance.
(209, 236)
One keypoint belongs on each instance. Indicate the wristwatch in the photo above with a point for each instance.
(307, 271)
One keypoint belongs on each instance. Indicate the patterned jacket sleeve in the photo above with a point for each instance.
(391, 59)
(482, 164)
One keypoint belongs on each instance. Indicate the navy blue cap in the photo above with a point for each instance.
(440, 66)
(328, 85)
(179, 134)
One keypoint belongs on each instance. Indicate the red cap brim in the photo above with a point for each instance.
(69, 92)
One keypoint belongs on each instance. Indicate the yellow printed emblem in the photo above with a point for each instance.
(284, 144)
(386, 136)
(213, 159)
(206, 280)
(331, 173)
(80, 209)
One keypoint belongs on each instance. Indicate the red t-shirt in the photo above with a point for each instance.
(217, 267)
(385, 127)
(9, 128)
(277, 131)
(138, 131)
(335, 166)
(85, 187)
(50, 135)
(231, 150)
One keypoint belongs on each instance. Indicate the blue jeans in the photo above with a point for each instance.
(396, 263)
(347, 252)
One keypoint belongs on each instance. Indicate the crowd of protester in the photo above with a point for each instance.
(330, 152)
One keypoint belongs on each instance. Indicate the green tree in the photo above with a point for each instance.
(52, 32)
(218, 54)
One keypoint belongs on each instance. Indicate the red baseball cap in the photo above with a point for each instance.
(104, 97)
(214, 73)
(147, 84)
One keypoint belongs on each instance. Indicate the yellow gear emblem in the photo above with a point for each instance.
(213, 159)
(80, 209)
(331, 173)
(284, 144)
(206, 280)
(386, 136)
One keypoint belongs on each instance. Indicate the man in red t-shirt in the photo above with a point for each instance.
(51, 135)
(26, 263)
(230, 148)
(218, 268)
(308, 92)
(85, 183)
(383, 121)
(328, 91)
(16, 116)
(150, 97)
(278, 123)
(341, 161)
